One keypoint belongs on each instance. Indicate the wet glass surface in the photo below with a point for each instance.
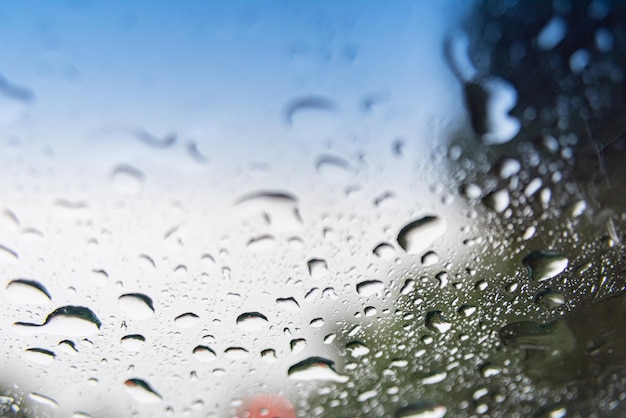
(294, 209)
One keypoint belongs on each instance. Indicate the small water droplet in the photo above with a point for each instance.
(252, 321)
(384, 251)
(236, 353)
(317, 322)
(7, 254)
(422, 410)
(437, 322)
(434, 378)
(137, 305)
(133, 342)
(509, 167)
(43, 400)
(357, 349)
(498, 201)
(127, 179)
(204, 354)
(417, 236)
(471, 191)
(315, 368)
(40, 355)
(186, 320)
(142, 392)
(370, 287)
(297, 345)
(550, 298)
(552, 33)
(261, 244)
(288, 304)
(543, 265)
(23, 291)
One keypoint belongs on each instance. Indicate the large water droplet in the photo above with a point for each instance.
(419, 235)
(261, 244)
(543, 265)
(136, 305)
(141, 391)
(252, 321)
(67, 320)
(316, 368)
(25, 291)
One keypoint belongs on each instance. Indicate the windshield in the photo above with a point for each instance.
(296, 209)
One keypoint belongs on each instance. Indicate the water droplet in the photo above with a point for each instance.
(40, 355)
(543, 265)
(422, 410)
(261, 244)
(334, 169)
(467, 310)
(471, 191)
(509, 167)
(236, 353)
(142, 392)
(25, 291)
(434, 378)
(552, 33)
(498, 201)
(297, 345)
(252, 321)
(133, 342)
(318, 269)
(550, 298)
(437, 322)
(127, 179)
(357, 349)
(367, 395)
(68, 347)
(533, 186)
(269, 355)
(578, 208)
(7, 254)
(579, 60)
(307, 104)
(153, 141)
(279, 209)
(384, 251)
(204, 354)
(288, 304)
(186, 320)
(316, 368)
(137, 305)
(370, 287)
(419, 235)
(554, 339)
(317, 322)
(67, 320)
(43, 400)
(430, 258)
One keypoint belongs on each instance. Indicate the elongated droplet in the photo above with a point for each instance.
(141, 391)
(316, 368)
